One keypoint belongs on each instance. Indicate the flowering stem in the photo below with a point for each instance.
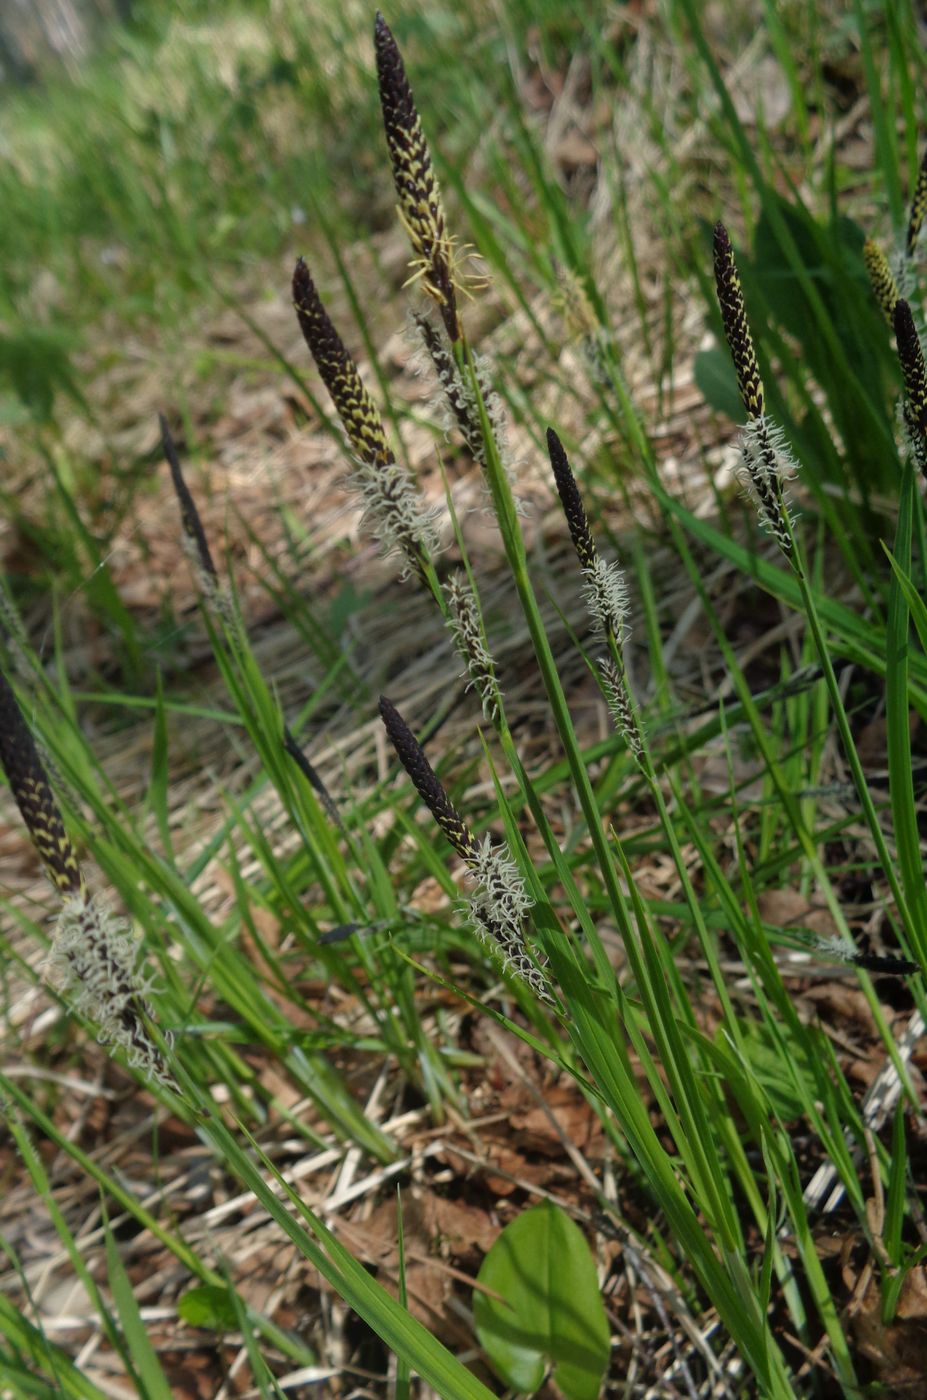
(915, 928)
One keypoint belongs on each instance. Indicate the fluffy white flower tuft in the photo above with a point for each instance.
(768, 464)
(395, 513)
(470, 642)
(497, 909)
(94, 960)
(621, 706)
(606, 595)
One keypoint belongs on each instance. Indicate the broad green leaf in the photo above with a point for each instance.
(208, 1306)
(543, 1307)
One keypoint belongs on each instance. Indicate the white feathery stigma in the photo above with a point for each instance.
(606, 595)
(94, 959)
(620, 705)
(497, 909)
(457, 402)
(470, 642)
(768, 464)
(395, 513)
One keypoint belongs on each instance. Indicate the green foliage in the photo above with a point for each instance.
(208, 1306)
(538, 1306)
(705, 1081)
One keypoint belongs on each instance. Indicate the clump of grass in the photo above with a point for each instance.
(689, 1106)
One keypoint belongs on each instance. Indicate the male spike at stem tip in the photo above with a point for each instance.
(30, 787)
(189, 515)
(912, 363)
(881, 278)
(355, 407)
(572, 502)
(412, 757)
(420, 206)
(918, 208)
(736, 326)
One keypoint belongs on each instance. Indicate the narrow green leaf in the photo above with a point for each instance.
(149, 1375)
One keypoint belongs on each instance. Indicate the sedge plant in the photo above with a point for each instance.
(592, 977)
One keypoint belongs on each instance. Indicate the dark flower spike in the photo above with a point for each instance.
(912, 364)
(890, 964)
(882, 279)
(340, 374)
(918, 208)
(603, 581)
(189, 515)
(393, 507)
(572, 502)
(93, 956)
(30, 787)
(458, 396)
(736, 327)
(420, 206)
(310, 773)
(606, 597)
(499, 902)
(412, 757)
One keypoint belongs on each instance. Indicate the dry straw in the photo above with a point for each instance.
(93, 956)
